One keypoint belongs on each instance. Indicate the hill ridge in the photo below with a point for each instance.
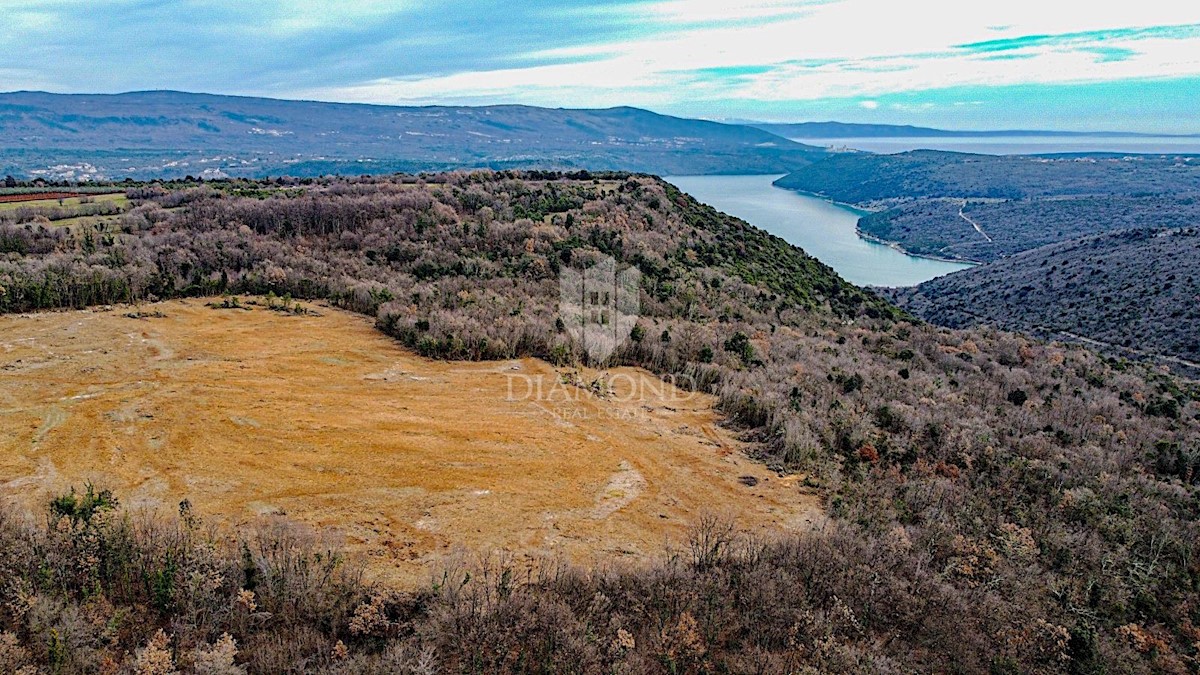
(166, 133)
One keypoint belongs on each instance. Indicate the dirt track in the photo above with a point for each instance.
(325, 420)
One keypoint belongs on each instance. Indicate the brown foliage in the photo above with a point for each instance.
(956, 516)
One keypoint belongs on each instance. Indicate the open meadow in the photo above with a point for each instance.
(249, 413)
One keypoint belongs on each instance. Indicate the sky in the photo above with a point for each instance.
(962, 64)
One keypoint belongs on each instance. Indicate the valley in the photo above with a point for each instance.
(826, 231)
(1096, 249)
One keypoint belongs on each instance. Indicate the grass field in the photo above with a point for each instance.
(70, 202)
(324, 419)
(107, 221)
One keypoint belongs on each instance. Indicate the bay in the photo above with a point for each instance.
(823, 229)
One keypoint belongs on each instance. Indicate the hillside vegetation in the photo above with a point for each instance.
(1138, 290)
(997, 504)
(173, 134)
(1078, 247)
(947, 227)
(861, 178)
(985, 207)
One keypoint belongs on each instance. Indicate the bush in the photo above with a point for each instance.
(1050, 533)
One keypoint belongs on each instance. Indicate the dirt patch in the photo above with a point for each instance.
(619, 491)
(325, 420)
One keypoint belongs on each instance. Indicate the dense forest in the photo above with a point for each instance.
(996, 504)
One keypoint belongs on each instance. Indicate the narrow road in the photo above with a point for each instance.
(973, 223)
(1100, 343)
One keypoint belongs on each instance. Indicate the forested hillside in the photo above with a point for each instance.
(988, 230)
(861, 178)
(983, 207)
(1038, 223)
(1138, 290)
(175, 134)
(996, 504)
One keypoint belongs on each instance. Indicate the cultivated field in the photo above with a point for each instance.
(249, 413)
(29, 201)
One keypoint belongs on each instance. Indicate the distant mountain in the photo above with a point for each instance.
(1135, 292)
(849, 130)
(167, 133)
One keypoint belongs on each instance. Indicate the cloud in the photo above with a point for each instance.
(1086, 39)
(1110, 54)
(820, 51)
(682, 56)
(1148, 105)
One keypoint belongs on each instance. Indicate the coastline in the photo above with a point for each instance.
(816, 195)
(859, 211)
(897, 247)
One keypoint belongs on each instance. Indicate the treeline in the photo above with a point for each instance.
(997, 504)
(87, 207)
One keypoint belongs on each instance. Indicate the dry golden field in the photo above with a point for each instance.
(252, 412)
(12, 202)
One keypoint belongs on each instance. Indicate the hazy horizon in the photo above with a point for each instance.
(740, 121)
(1023, 65)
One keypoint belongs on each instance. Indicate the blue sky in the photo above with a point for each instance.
(1020, 63)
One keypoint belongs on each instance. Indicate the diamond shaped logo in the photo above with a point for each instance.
(599, 306)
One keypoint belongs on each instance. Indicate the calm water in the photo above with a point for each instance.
(1015, 145)
(824, 230)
